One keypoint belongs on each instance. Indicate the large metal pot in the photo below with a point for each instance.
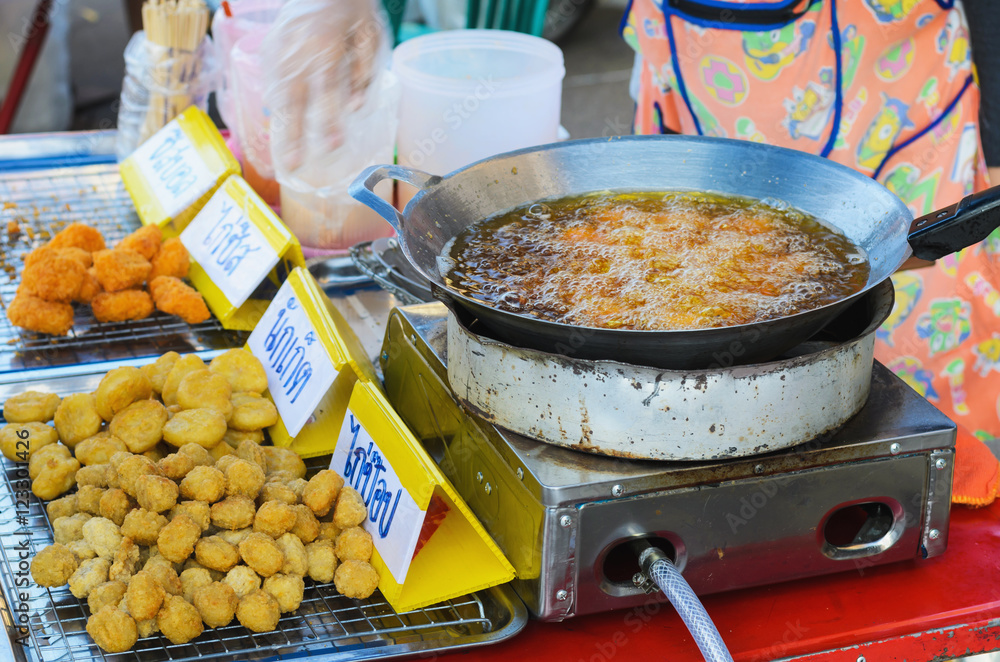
(857, 206)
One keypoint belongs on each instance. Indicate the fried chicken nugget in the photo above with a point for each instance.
(61, 507)
(201, 388)
(76, 418)
(179, 621)
(236, 437)
(31, 406)
(198, 454)
(43, 456)
(199, 511)
(98, 449)
(145, 241)
(350, 509)
(116, 506)
(41, 316)
(202, 426)
(120, 269)
(144, 596)
(192, 579)
(163, 572)
(275, 491)
(121, 306)
(58, 475)
(216, 554)
(235, 512)
(354, 544)
(321, 491)
(296, 559)
(296, 485)
(216, 603)
(175, 466)
(252, 412)
(243, 580)
(274, 518)
(82, 550)
(306, 525)
(140, 425)
(172, 260)
(53, 276)
(53, 566)
(95, 475)
(108, 594)
(177, 539)
(158, 370)
(355, 579)
(126, 562)
(262, 553)
(243, 479)
(68, 528)
(286, 589)
(78, 235)
(174, 297)
(112, 630)
(203, 483)
(88, 499)
(156, 493)
(20, 441)
(91, 574)
(143, 526)
(322, 560)
(119, 388)
(234, 536)
(103, 535)
(242, 369)
(181, 368)
(90, 287)
(252, 452)
(130, 469)
(258, 612)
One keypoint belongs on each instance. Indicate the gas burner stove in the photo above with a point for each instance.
(875, 491)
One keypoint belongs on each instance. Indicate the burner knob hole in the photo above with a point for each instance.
(621, 563)
(861, 529)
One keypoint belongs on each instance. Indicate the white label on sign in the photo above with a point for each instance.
(229, 247)
(394, 519)
(299, 371)
(173, 168)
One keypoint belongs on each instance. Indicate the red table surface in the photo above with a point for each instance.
(933, 609)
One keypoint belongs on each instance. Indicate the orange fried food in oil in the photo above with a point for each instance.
(145, 241)
(53, 275)
(172, 260)
(122, 305)
(121, 269)
(90, 287)
(79, 235)
(175, 298)
(30, 312)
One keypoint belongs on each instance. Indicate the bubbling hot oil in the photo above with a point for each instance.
(655, 261)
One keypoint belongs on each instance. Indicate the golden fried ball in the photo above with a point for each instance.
(243, 580)
(66, 529)
(108, 594)
(350, 509)
(296, 560)
(18, 441)
(144, 596)
(328, 531)
(216, 603)
(284, 459)
(221, 450)
(199, 511)
(236, 437)
(286, 589)
(126, 561)
(321, 492)
(30, 406)
(262, 553)
(61, 507)
(203, 483)
(143, 526)
(216, 554)
(112, 630)
(53, 566)
(222, 463)
(354, 544)
(306, 525)
(91, 574)
(77, 419)
(198, 454)
(175, 466)
(103, 535)
(274, 518)
(88, 499)
(202, 426)
(252, 412)
(177, 539)
(116, 505)
(162, 570)
(43, 456)
(235, 512)
(95, 474)
(274, 491)
(99, 448)
(179, 621)
(242, 370)
(82, 549)
(192, 579)
(355, 579)
(243, 479)
(156, 493)
(157, 371)
(119, 388)
(56, 477)
(203, 389)
(180, 369)
(322, 560)
(131, 468)
(140, 425)
(258, 612)
(252, 452)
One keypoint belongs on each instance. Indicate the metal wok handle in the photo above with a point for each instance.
(362, 189)
(959, 226)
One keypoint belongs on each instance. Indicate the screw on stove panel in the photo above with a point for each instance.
(895, 448)
(617, 491)
(562, 595)
(479, 476)
(940, 463)
(565, 521)
(488, 488)
(520, 473)
(933, 534)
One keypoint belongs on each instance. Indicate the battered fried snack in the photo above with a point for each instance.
(78, 235)
(99, 448)
(66, 529)
(179, 621)
(143, 526)
(242, 370)
(193, 563)
(296, 485)
(198, 455)
(203, 483)
(116, 506)
(42, 457)
(274, 519)
(53, 566)
(172, 260)
(354, 544)
(235, 437)
(216, 554)
(350, 509)
(130, 469)
(355, 579)
(322, 560)
(88, 499)
(321, 491)
(144, 596)
(156, 493)
(90, 287)
(220, 450)
(222, 463)
(174, 297)
(216, 603)
(145, 241)
(262, 553)
(177, 539)
(275, 491)
(82, 549)
(58, 475)
(252, 412)
(194, 578)
(286, 589)
(35, 314)
(202, 389)
(158, 370)
(235, 512)
(258, 612)
(18, 441)
(119, 388)
(252, 452)
(140, 425)
(62, 507)
(199, 511)
(175, 466)
(95, 475)
(243, 580)
(53, 276)
(182, 366)
(108, 594)
(162, 570)
(103, 535)
(306, 525)
(296, 559)
(243, 479)
(91, 574)
(31, 406)
(112, 630)
(122, 305)
(205, 427)
(121, 269)
(126, 561)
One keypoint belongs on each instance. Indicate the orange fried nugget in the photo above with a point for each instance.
(30, 312)
(78, 254)
(79, 235)
(90, 287)
(122, 305)
(121, 269)
(172, 260)
(53, 276)
(145, 241)
(172, 296)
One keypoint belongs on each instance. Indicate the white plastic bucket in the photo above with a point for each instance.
(470, 94)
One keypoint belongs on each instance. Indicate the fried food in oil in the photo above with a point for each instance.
(119, 388)
(242, 369)
(113, 630)
(120, 269)
(322, 490)
(145, 241)
(76, 418)
(286, 589)
(216, 603)
(35, 314)
(31, 406)
(262, 553)
(172, 260)
(179, 621)
(258, 612)
(53, 566)
(121, 306)
(78, 235)
(355, 579)
(172, 296)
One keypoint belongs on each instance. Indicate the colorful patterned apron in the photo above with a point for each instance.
(883, 86)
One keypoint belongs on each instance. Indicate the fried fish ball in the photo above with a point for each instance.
(262, 553)
(103, 535)
(234, 536)
(322, 560)
(216, 554)
(258, 612)
(53, 566)
(235, 512)
(174, 297)
(62, 507)
(44, 456)
(202, 426)
(236, 437)
(177, 539)
(175, 466)
(275, 491)
(243, 479)
(144, 595)
(112, 630)
(298, 486)
(163, 572)
(252, 412)
(19, 440)
(31, 406)
(158, 370)
(95, 475)
(179, 621)
(88, 499)
(82, 549)
(192, 579)
(78, 235)
(354, 544)
(143, 526)
(274, 518)
(119, 388)
(69, 528)
(286, 589)
(350, 509)
(53, 276)
(296, 560)
(220, 450)
(198, 454)
(88, 576)
(243, 580)
(126, 561)
(157, 453)
(121, 306)
(131, 469)
(108, 594)
(120, 269)
(321, 492)
(242, 369)
(204, 389)
(140, 425)
(99, 448)
(57, 476)
(214, 574)
(216, 603)
(355, 579)
(181, 368)
(199, 511)
(171, 260)
(252, 452)
(222, 463)
(116, 506)
(203, 483)
(156, 493)
(145, 241)
(306, 525)
(36, 314)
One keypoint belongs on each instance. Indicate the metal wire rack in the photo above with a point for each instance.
(34, 206)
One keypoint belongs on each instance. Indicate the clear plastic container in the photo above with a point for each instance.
(252, 118)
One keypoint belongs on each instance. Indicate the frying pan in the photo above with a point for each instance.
(847, 201)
